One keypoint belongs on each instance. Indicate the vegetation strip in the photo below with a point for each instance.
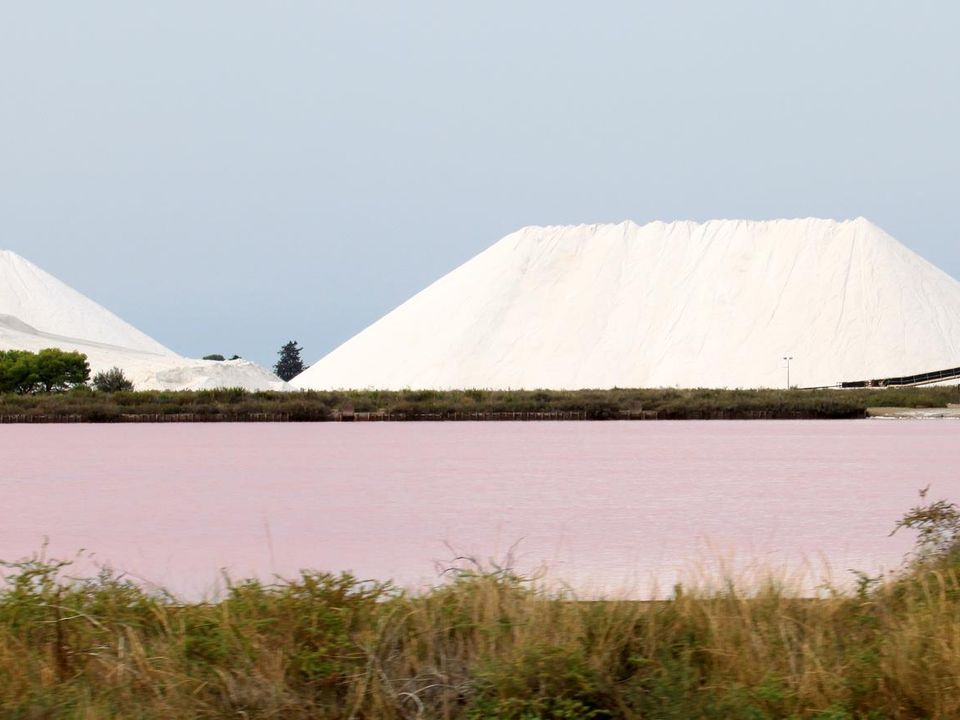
(83, 404)
(487, 644)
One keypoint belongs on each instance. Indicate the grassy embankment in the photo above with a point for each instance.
(486, 645)
(85, 405)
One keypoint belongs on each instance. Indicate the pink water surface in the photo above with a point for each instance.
(604, 506)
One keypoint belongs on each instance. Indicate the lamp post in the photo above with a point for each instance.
(788, 359)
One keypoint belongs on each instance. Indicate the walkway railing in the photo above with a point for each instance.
(926, 378)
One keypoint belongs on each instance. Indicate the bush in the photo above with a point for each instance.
(937, 525)
(112, 380)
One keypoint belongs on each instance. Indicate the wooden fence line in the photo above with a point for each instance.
(339, 416)
(147, 418)
(456, 416)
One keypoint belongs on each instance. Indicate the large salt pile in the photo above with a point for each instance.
(717, 304)
(38, 311)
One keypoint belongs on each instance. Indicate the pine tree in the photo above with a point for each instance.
(290, 363)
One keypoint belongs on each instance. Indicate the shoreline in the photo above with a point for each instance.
(153, 419)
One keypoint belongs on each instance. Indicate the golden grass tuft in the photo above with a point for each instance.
(481, 645)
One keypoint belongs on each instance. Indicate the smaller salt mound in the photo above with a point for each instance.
(43, 302)
(37, 311)
(211, 374)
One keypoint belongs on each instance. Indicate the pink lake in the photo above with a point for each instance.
(605, 506)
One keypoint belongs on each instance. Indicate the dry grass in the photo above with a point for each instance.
(485, 645)
(490, 644)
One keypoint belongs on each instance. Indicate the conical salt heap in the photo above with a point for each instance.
(38, 311)
(685, 304)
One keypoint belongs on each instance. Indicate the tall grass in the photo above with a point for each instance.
(483, 645)
(413, 404)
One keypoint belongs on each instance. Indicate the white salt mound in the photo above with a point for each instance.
(38, 311)
(715, 304)
(39, 300)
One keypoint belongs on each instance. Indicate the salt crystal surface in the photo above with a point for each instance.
(715, 304)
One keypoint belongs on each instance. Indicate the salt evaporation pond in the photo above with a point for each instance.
(602, 505)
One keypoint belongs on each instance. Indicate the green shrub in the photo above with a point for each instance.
(112, 380)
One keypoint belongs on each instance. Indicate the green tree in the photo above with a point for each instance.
(217, 356)
(290, 363)
(49, 370)
(60, 370)
(112, 380)
(18, 371)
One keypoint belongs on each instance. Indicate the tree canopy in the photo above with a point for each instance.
(290, 363)
(49, 370)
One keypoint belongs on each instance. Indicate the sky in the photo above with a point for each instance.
(227, 175)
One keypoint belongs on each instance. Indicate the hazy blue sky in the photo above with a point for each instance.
(227, 175)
